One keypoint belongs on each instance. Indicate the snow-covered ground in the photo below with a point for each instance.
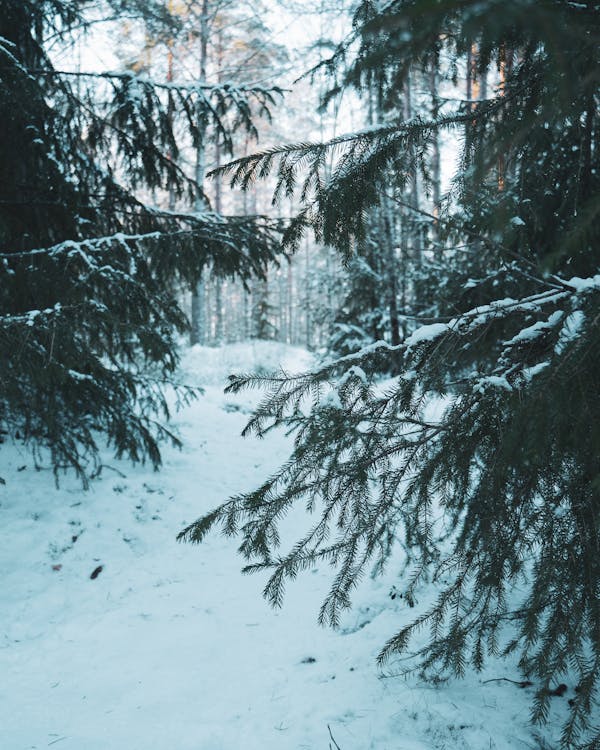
(169, 647)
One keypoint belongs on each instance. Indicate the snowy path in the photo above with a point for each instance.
(169, 647)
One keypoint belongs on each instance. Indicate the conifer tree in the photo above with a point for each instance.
(88, 311)
(361, 318)
(482, 457)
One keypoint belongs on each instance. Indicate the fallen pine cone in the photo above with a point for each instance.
(560, 690)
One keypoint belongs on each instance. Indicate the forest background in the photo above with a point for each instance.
(432, 227)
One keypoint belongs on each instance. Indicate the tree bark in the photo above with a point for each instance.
(198, 322)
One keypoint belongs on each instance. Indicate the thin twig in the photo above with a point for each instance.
(520, 683)
(337, 747)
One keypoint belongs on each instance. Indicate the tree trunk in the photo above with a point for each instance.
(414, 180)
(198, 323)
(506, 63)
(435, 162)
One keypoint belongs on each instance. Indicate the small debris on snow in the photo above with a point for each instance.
(559, 691)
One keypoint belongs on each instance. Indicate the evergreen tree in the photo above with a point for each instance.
(361, 318)
(88, 308)
(263, 314)
(499, 490)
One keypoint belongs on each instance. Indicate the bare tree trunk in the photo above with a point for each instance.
(386, 227)
(435, 161)
(170, 107)
(414, 178)
(219, 324)
(308, 305)
(388, 234)
(290, 304)
(469, 75)
(198, 323)
(219, 327)
(506, 63)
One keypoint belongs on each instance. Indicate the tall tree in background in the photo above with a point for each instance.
(88, 312)
(386, 262)
(230, 43)
(495, 491)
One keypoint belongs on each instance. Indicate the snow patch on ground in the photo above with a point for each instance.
(169, 647)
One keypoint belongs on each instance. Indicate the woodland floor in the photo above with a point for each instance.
(169, 647)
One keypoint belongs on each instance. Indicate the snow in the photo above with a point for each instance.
(171, 647)
(75, 375)
(530, 372)
(570, 330)
(332, 400)
(356, 372)
(426, 333)
(528, 334)
(81, 248)
(580, 285)
(494, 381)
